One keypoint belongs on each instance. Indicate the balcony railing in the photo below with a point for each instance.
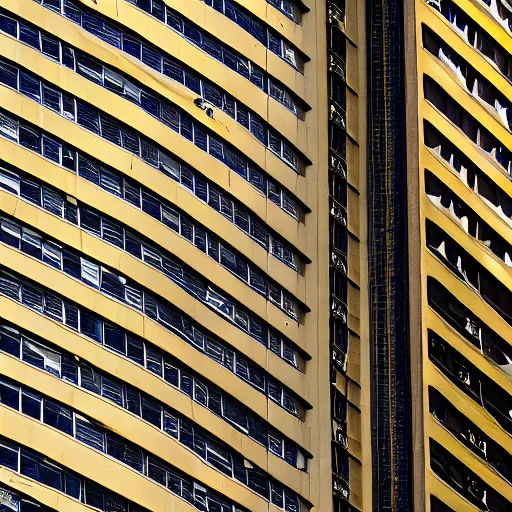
(341, 438)
(337, 64)
(338, 309)
(337, 115)
(338, 212)
(335, 14)
(339, 359)
(340, 486)
(338, 164)
(338, 261)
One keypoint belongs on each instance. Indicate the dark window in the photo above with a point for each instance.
(113, 233)
(31, 405)
(112, 390)
(29, 36)
(10, 395)
(58, 416)
(8, 25)
(152, 412)
(71, 315)
(69, 370)
(135, 350)
(89, 170)
(123, 451)
(30, 191)
(30, 86)
(133, 401)
(88, 117)
(30, 139)
(50, 47)
(89, 433)
(114, 338)
(50, 475)
(154, 361)
(9, 457)
(151, 57)
(90, 326)
(90, 379)
(71, 264)
(9, 75)
(10, 341)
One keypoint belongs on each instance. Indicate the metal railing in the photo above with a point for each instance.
(337, 115)
(337, 64)
(335, 14)
(338, 164)
(338, 212)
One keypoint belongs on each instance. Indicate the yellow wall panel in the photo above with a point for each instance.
(45, 495)
(481, 160)
(88, 462)
(469, 351)
(133, 429)
(181, 197)
(465, 294)
(177, 93)
(124, 369)
(476, 464)
(450, 177)
(277, 20)
(129, 164)
(447, 495)
(477, 13)
(477, 414)
(442, 26)
(308, 237)
(155, 130)
(131, 320)
(485, 116)
(472, 246)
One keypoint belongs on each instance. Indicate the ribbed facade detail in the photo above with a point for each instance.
(164, 255)
(465, 164)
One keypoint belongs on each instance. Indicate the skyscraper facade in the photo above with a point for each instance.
(170, 322)
(255, 255)
(461, 180)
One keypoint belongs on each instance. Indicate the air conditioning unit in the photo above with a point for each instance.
(205, 105)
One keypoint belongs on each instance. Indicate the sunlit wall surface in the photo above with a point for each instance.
(180, 260)
(465, 196)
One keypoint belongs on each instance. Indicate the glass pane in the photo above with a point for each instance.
(30, 86)
(58, 416)
(90, 434)
(31, 405)
(8, 127)
(9, 457)
(42, 357)
(10, 395)
(30, 139)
